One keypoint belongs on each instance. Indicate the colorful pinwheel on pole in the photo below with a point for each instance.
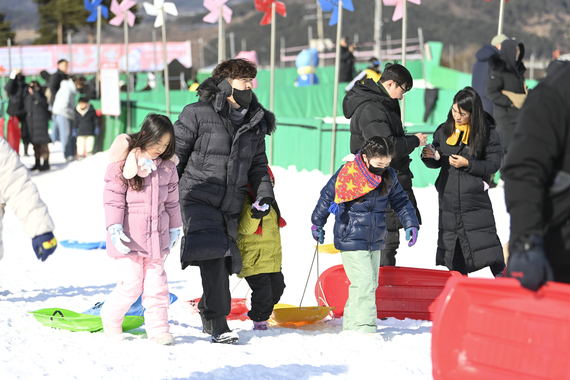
(332, 6)
(266, 7)
(97, 11)
(218, 13)
(269, 7)
(124, 16)
(160, 9)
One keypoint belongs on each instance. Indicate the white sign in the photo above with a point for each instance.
(110, 98)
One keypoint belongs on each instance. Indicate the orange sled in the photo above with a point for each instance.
(495, 329)
(402, 292)
(238, 311)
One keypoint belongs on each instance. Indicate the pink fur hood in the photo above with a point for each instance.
(133, 159)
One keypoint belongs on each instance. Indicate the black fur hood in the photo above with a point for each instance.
(505, 59)
(210, 93)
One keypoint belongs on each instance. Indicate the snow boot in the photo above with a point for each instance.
(221, 333)
(260, 326)
(37, 166)
(165, 339)
(45, 166)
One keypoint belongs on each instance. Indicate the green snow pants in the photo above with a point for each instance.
(362, 269)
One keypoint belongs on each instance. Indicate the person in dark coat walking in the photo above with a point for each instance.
(86, 126)
(373, 110)
(467, 150)
(346, 70)
(506, 88)
(17, 89)
(37, 116)
(220, 141)
(537, 185)
(358, 195)
(481, 70)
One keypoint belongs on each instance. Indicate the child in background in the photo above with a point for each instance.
(358, 195)
(141, 209)
(86, 127)
(259, 242)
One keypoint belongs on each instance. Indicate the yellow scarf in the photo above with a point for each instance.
(454, 138)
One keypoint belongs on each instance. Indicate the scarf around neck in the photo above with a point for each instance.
(353, 181)
(454, 138)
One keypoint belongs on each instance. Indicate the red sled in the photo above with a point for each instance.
(2, 121)
(402, 292)
(495, 329)
(13, 133)
(238, 311)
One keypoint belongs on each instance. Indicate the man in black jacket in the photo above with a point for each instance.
(374, 110)
(537, 185)
(481, 70)
(346, 70)
(17, 89)
(220, 141)
(56, 78)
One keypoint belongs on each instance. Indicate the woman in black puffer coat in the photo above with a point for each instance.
(220, 141)
(467, 150)
(37, 117)
(506, 73)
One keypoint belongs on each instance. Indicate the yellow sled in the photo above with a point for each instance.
(289, 314)
(327, 248)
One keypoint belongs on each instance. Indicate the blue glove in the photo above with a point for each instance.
(147, 165)
(44, 245)
(74, 132)
(528, 263)
(318, 233)
(174, 237)
(261, 207)
(117, 234)
(96, 132)
(411, 235)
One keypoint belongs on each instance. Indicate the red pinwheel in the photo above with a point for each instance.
(265, 6)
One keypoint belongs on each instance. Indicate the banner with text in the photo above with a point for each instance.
(83, 58)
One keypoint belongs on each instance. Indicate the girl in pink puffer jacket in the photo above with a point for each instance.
(143, 221)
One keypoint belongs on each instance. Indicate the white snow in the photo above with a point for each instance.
(77, 279)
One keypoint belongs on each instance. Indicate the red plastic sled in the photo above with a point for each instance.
(496, 329)
(402, 292)
(239, 308)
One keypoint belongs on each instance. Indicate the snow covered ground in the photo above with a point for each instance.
(76, 280)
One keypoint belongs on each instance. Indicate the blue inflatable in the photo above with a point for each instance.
(135, 309)
(306, 63)
(83, 245)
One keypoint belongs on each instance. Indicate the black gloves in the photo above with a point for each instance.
(528, 263)
(261, 207)
(44, 245)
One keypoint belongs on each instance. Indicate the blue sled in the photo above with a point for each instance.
(136, 308)
(83, 245)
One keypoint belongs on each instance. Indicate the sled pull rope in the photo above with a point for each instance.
(310, 270)
(54, 313)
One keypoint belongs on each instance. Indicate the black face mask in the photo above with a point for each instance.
(376, 171)
(243, 97)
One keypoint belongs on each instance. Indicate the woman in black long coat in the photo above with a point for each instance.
(37, 116)
(467, 150)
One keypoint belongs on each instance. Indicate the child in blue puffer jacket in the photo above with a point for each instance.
(358, 195)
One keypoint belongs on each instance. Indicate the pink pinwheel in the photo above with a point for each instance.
(214, 7)
(265, 6)
(398, 12)
(119, 11)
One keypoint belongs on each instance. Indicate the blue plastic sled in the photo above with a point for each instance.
(136, 308)
(83, 245)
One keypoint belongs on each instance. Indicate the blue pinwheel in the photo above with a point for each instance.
(91, 6)
(332, 5)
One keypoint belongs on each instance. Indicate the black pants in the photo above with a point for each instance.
(458, 263)
(388, 254)
(267, 289)
(216, 298)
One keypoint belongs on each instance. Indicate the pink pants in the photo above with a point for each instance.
(139, 274)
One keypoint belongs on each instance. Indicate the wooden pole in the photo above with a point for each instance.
(164, 58)
(335, 94)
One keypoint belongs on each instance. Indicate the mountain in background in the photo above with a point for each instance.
(542, 25)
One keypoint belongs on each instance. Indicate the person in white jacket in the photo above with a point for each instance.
(63, 111)
(19, 192)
